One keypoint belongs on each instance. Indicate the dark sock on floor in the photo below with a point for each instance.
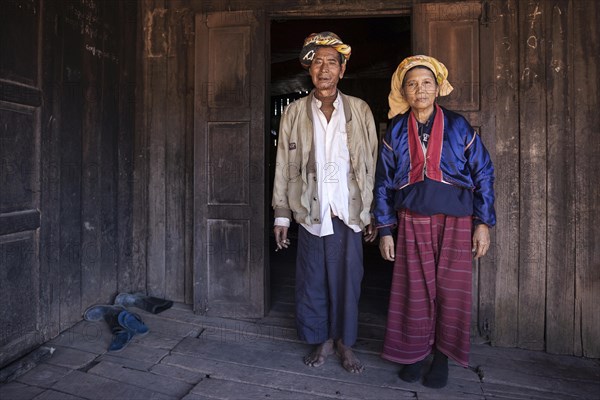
(437, 377)
(411, 372)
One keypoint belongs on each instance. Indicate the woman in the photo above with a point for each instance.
(434, 182)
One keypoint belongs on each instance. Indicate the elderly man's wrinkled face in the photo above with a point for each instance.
(325, 69)
(420, 88)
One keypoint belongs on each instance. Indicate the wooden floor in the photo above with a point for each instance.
(186, 356)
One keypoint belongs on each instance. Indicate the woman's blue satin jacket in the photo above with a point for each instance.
(465, 162)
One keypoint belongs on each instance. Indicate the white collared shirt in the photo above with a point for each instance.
(333, 165)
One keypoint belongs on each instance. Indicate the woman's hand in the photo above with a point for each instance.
(386, 247)
(481, 240)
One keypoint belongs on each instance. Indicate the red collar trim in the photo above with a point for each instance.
(422, 164)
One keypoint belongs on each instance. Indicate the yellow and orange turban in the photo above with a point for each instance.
(398, 104)
(315, 40)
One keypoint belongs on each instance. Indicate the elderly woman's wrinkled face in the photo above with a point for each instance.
(420, 88)
(325, 69)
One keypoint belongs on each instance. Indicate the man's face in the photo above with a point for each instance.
(325, 69)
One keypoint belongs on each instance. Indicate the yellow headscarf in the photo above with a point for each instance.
(398, 104)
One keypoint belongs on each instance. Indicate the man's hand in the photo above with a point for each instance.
(386, 247)
(281, 237)
(481, 240)
(370, 233)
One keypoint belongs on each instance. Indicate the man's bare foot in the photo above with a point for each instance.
(318, 357)
(349, 360)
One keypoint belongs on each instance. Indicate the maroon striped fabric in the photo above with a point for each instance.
(430, 300)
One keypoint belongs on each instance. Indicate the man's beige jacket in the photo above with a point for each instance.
(295, 186)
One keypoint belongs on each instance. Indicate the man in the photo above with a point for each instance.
(326, 157)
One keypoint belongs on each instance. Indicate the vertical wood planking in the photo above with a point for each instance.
(484, 312)
(97, 23)
(156, 57)
(69, 119)
(127, 278)
(108, 164)
(561, 181)
(174, 154)
(141, 162)
(586, 61)
(189, 158)
(201, 167)
(91, 189)
(532, 125)
(504, 21)
(49, 233)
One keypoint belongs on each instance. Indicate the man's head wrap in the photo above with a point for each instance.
(398, 104)
(315, 40)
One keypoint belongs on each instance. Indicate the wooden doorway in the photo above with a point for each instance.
(234, 119)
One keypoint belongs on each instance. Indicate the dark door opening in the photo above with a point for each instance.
(378, 46)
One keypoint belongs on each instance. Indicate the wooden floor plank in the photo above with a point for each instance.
(174, 372)
(70, 357)
(224, 390)
(43, 376)
(274, 355)
(211, 358)
(143, 379)
(54, 395)
(509, 391)
(95, 387)
(18, 391)
(286, 380)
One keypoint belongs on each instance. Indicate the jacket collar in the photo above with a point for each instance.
(345, 102)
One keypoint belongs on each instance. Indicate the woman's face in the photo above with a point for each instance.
(420, 88)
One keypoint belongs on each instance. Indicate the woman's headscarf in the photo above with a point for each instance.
(315, 40)
(398, 104)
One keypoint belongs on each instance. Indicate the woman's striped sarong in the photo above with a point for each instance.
(430, 300)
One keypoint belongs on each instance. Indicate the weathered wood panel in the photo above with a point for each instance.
(99, 138)
(156, 57)
(21, 325)
(532, 223)
(503, 21)
(229, 148)
(179, 24)
(164, 188)
(586, 120)
(50, 183)
(127, 273)
(560, 322)
(450, 33)
(485, 273)
(71, 100)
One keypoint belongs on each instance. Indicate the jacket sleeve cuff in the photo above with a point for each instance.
(385, 231)
(283, 213)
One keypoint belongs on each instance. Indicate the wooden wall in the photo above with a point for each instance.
(547, 256)
(70, 65)
(91, 80)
